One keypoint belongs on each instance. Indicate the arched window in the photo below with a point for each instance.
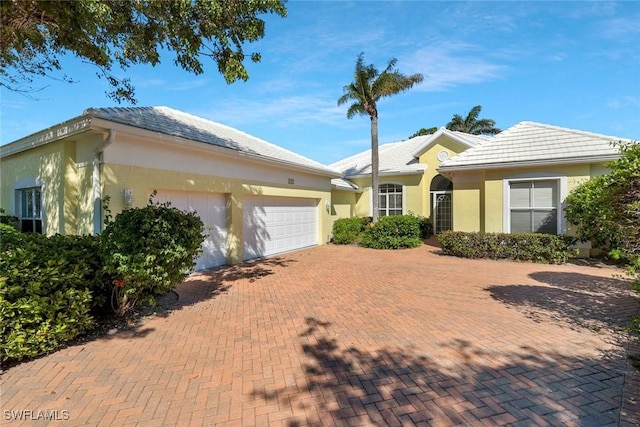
(389, 199)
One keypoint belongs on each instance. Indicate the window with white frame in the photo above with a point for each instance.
(30, 209)
(533, 206)
(389, 199)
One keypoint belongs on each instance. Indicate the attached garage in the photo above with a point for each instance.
(273, 225)
(211, 208)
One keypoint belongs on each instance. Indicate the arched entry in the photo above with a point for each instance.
(441, 190)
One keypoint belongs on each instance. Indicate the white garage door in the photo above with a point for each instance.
(211, 208)
(273, 225)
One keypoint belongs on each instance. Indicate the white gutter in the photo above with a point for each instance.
(390, 173)
(530, 163)
(97, 179)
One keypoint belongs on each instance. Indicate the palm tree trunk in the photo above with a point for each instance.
(374, 167)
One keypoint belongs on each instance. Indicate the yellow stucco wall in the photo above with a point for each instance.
(343, 204)
(466, 203)
(51, 166)
(479, 196)
(142, 181)
(430, 158)
(413, 197)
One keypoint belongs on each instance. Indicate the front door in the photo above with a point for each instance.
(442, 203)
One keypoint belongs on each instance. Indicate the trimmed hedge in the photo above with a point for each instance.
(392, 232)
(346, 231)
(542, 248)
(45, 291)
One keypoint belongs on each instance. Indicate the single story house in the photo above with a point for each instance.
(516, 181)
(255, 198)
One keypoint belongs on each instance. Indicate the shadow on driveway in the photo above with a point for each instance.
(578, 300)
(345, 385)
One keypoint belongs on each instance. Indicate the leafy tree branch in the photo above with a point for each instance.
(34, 35)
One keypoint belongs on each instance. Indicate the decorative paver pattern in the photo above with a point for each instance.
(350, 336)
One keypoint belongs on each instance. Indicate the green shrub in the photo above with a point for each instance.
(11, 220)
(346, 231)
(543, 248)
(45, 291)
(149, 251)
(426, 227)
(392, 232)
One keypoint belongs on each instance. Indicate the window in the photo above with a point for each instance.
(30, 209)
(389, 199)
(533, 206)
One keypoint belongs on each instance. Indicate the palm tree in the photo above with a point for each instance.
(368, 87)
(472, 125)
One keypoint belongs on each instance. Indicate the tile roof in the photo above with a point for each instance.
(400, 157)
(535, 143)
(463, 138)
(345, 184)
(172, 122)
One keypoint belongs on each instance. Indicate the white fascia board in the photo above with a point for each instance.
(54, 133)
(442, 131)
(527, 163)
(418, 171)
(102, 124)
(348, 189)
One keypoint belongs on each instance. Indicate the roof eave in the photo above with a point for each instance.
(348, 189)
(527, 163)
(442, 131)
(71, 127)
(418, 171)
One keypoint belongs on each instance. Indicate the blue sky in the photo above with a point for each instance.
(570, 64)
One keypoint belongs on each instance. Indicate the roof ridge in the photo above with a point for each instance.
(565, 129)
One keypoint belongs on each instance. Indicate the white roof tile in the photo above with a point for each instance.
(400, 157)
(178, 123)
(345, 184)
(529, 142)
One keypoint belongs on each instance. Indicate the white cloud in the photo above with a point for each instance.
(449, 64)
(623, 102)
(151, 82)
(279, 111)
(622, 28)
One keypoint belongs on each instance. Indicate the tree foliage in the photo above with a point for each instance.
(472, 125)
(606, 209)
(36, 34)
(423, 131)
(368, 87)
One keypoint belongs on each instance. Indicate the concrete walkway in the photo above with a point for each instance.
(350, 336)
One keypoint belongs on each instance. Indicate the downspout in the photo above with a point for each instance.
(97, 181)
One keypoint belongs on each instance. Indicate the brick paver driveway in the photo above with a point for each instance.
(350, 336)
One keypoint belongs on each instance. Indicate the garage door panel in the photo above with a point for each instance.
(211, 208)
(278, 224)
